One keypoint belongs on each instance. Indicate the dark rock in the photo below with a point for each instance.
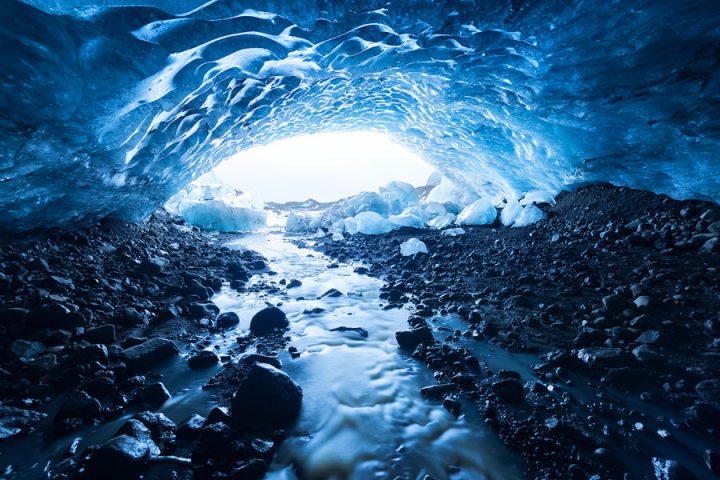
(712, 461)
(670, 470)
(268, 320)
(294, 284)
(153, 265)
(104, 334)
(161, 428)
(649, 337)
(130, 317)
(410, 339)
(709, 392)
(154, 394)
(25, 349)
(266, 397)
(332, 293)
(203, 359)
(249, 470)
(189, 429)
(614, 304)
(136, 429)
(250, 358)
(359, 330)
(119, 458)
(14, 421)
(78, 405)
(604, 357)
(99, 386)
(147, 354)
(49, 315)
(509, 390)
(97, 352)
(227, 320)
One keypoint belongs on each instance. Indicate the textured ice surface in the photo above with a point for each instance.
(212, 205)
(111, 110)
(480, 212)
(412, 246)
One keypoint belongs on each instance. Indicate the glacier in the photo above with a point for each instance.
(109, 108)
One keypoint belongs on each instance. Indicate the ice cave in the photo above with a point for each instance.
(360, 239)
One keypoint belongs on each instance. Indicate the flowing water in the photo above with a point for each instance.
(362, 416)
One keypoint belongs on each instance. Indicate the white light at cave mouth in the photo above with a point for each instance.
(323, 166)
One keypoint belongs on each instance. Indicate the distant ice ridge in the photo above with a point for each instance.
(398, 204)
(211, 205)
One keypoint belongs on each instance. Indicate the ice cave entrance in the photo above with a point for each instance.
(260, 186)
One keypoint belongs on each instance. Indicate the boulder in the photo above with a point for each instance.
(410, 339)
(509, 390)
(78, 405)
(203, 359)
(104, 334)
(266, 398)
(227, 320)
(147, 354)
(119, 458)
(268, 320)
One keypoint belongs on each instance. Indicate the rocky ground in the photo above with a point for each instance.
(616, 294)
(86, 316)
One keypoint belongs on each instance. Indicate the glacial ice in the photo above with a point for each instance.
(110, 110)
(480, 212)
(369, 223)
(412, 246)
(212, 205)
(529, 215)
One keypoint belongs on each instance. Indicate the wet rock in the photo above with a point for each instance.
(189, 429)
(359, 330)
(249, 470)
(410, 339)
(79, 405)
(645, 354)
(149, 353)
(604, 357)
(203, 310)
(712, 461)
(709, 392)
(14, 421)
(332, 293)
(509, 390)
(153, 265)
(130, 317)
(219, 415)
(25, 349)
(99, 386)
(293, 284)
(203, 359)
(267, 321)
(49, 315)
(614, 304)
(227, 320)
(154, 394)
(453, 406)
(266, 398)
(97, 352)
(670, 470)
(119, 458)
(161, 428)
(251, 358)
(104, 334)
(649, 337)
(136, 429)
(436, 392)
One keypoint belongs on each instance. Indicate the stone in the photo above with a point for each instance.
(509, 390)
(294, 284)
(604, 357)
(709, 392)
(267, 321)
(154, 394)
(227, 320)
(14, 421)
(670, 470)
(78, 405)
(614, 304)
(104, 334)
(203, 359)
(266, 397)
(149, 353)
(189, 429)
(410, 339)
(25, 349)
(153, 265)
(649, 337)
(119, 458)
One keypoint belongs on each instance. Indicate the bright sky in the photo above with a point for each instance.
(323, 166)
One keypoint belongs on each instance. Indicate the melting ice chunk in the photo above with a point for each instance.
(480, 212)
(412, 246)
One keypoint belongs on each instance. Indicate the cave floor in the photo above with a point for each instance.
(588, 344)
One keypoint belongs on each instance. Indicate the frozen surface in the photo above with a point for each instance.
(480, 212)
(412, 246)
(111, 110)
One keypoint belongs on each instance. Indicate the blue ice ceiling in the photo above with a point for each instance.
(110, 110)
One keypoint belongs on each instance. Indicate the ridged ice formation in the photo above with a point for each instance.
(109, 111)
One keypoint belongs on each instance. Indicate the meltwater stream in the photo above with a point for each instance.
(362, 416)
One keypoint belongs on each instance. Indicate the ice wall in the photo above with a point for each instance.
(110, 110)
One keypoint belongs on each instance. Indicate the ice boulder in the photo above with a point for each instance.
(412, 246)
(407, 219)
(538, 197)
(222, 216)
(369, 223)
(453, 232)
(480, 212)
(510, 212)
(441, 221)
(530, 214)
